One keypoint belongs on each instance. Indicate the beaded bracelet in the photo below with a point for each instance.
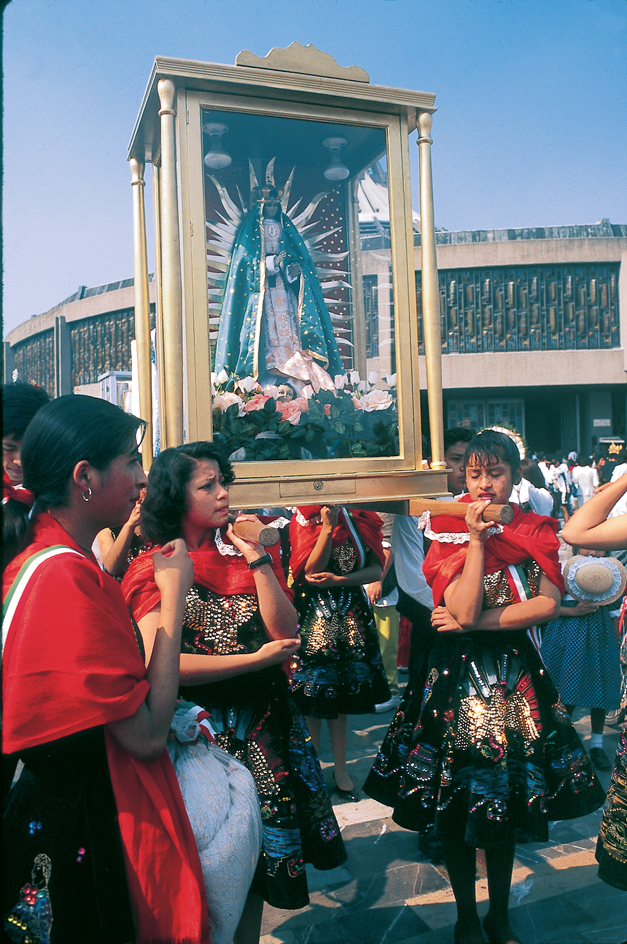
(260, 561)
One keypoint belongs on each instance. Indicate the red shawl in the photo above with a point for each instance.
(18, 492)
(303, 538)
(71, 662)
(223, 574)
(529, 535)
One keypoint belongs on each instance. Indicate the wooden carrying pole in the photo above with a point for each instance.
(499, 514)
(255, 531)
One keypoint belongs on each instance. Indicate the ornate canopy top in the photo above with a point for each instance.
(306, 60)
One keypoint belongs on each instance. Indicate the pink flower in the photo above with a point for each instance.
(292, 409)
(327, 409)
(375, 400)
(256, 403)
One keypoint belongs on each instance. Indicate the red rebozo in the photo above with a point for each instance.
(354, 525)
(72, 662)
(528, 535)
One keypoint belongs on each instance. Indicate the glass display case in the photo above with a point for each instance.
(286, 308)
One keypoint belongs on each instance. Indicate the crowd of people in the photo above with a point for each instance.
(138, 611)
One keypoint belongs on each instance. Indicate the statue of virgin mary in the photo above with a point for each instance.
(274, 322)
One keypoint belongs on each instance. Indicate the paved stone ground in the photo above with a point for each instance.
(388, 892)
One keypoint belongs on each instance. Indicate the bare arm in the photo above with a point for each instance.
(464, 595)
(115, 555)
(144, 734)
(355, 579)
(375, 588)
(198, 669)
(588, 526)
(540, 609)
(319, 558)
(277, 612)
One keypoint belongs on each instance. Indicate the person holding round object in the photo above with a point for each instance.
(97, 843)
(339, 670)
(482, 745)
(580, 649)
(591, 527)
(239, 627)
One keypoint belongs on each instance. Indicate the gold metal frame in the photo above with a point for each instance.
(169, 134)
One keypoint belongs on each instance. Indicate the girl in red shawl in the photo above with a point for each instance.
(96, 840)
(239, 627)
(338, 670)
(482, 745)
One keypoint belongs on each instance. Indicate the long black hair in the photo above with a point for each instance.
(66, 431)
(165, 503)
(62, 433)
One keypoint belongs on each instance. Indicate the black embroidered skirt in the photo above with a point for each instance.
(62, 812)
(482, 744)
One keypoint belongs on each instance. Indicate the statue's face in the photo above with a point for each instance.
(285, 393)
(271, 209)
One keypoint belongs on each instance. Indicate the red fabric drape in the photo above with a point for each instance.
(528, 536)
(224, 574)
(9, 490)
(303, 537)
(71, 662)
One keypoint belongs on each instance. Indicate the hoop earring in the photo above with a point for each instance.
(87, 494)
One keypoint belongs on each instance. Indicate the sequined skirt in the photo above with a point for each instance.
(338, 669)
(611, 851)
(60, 830)
(482, 743)
(298, 823)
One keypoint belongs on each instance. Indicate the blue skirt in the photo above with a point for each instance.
(582, 656)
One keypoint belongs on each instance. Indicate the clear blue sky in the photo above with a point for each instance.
(531, 127)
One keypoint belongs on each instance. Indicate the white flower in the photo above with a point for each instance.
(247, 384)
(355, 378)
(271, 390)
(224, 400)
(375, 400)
(373, 377)
(390, 380)
(222, 377)
(340, 381)
(307, 392)
(361, 386)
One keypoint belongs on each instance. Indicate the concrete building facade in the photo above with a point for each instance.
(533, 329)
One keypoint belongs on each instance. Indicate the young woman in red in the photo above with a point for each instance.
(482, 745)
(96, 841)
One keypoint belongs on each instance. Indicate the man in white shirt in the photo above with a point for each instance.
(586, 479)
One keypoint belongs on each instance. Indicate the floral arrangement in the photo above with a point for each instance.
(356, 419)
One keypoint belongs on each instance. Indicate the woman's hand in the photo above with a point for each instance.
(477, 527)
(444, 622)
(375, 589)
(329, 515)
(174, 570)
(583, 608)
(276, 652)
(324, 579)
(251, 550)
(133, 518)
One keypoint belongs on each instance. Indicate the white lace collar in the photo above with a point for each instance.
(449, 537)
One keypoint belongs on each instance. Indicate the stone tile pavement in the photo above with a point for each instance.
(388, 892)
